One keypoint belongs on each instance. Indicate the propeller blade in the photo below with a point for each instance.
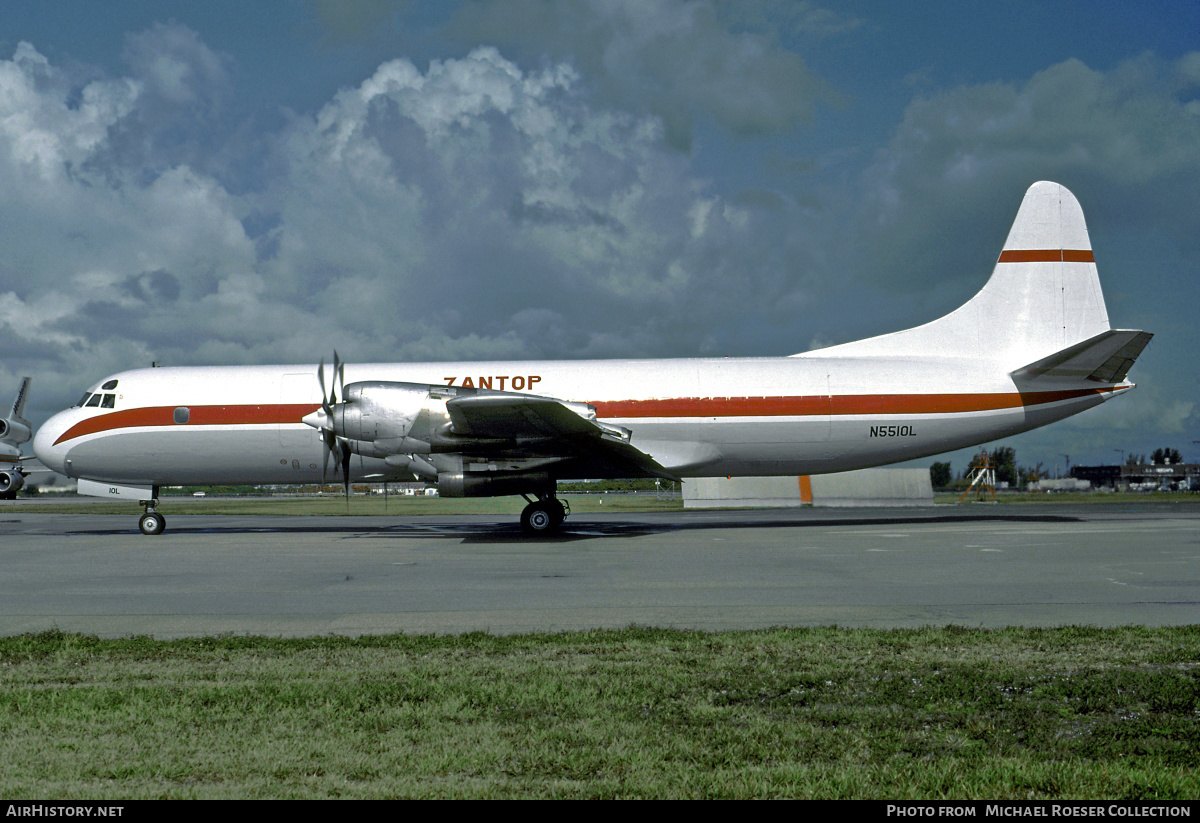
(321, 381)
(325, 433)
(346, 468)
(324, 458)
(339, 376)
(338, 368)
(333, 444)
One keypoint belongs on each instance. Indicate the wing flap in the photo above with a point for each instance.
(549, 427)
(507, 415)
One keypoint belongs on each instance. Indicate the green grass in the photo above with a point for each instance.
(827, 713)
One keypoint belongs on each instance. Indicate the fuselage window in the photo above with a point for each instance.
(182, 414)
(110, 385)
(94, 400)
(109, 401)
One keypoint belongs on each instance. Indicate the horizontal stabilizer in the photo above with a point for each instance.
(1105, 358)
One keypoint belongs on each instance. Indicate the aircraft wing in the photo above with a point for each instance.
(546, 427)
(30, 463)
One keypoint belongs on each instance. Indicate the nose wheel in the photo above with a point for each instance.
(543, 516)
(151, 522)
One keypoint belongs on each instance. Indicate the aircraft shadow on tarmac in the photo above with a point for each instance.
(496, 533)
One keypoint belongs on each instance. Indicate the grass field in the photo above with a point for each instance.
(825, 713)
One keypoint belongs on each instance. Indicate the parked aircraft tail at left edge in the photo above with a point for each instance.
(14, 430)
(1032, 347)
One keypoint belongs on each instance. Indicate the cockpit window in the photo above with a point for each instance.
(110, 385)
(99, 400)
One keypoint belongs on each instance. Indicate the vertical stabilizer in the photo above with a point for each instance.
(18, 409)
(1043, 296)
(1046, 279)
(14, 430)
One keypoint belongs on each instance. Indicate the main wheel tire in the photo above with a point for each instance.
(541, 518)
(152, 523)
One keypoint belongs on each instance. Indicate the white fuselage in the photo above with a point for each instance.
(806, 414)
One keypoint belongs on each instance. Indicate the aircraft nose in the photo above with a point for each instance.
(53, 457)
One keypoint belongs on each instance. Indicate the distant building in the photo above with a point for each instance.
(1063, 484)
(1143, 476)
(866, 487)
(1098, 476)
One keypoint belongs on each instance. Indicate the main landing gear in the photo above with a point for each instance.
(151, 522)
(544, 515)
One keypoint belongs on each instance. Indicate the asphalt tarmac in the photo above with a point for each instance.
(979, 566)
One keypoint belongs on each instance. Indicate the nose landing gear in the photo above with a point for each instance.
(151, 522)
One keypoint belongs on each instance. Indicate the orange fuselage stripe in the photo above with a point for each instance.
(1046, 256)
(151, 416)
(681, 407)
(838, 405)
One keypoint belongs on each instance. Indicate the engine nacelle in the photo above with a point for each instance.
(380, 411)
(11, 482)
(493, 484)
(13, 432)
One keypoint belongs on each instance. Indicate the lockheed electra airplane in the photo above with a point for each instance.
(1033, 346)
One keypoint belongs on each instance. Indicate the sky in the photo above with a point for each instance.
(249, 183)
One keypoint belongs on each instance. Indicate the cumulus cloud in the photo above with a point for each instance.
(469, 210)
(101, 247)
(176, 66)
(184, 89)
(477, 193)
(673, 59)
(961, 160)
(934, 207)
(47, 126)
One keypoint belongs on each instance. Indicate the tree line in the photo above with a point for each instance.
(1004, 462)
(1157, 457)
